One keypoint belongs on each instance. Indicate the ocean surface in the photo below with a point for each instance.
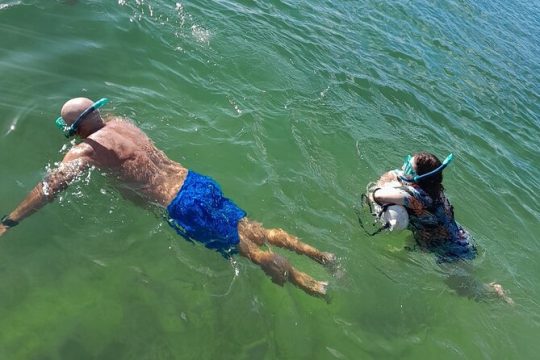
(293, 106)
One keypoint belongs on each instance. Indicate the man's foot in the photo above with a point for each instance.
(327, 258)
(498, 290)
(332, 264)
(321, 288)
(309, 284)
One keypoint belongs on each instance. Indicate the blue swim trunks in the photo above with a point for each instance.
(200, 212)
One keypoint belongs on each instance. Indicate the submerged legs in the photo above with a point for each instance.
(252, 235)
(279, 237)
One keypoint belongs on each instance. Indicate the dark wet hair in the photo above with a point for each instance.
(424, 163)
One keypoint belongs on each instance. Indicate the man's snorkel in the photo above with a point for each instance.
(69, 131)
(409, 175)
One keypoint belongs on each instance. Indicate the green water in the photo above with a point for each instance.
(293, 107)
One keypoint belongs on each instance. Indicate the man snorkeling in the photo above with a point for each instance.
(195, 205)
(418, 187)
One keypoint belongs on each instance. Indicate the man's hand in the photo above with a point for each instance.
(387, 178)
(3, 229)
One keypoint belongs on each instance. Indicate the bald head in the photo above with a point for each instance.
(74, 108)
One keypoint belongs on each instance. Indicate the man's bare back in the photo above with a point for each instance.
(132, 158)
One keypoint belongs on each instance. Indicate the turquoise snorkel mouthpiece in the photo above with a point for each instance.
(410, 174)
(69, 131)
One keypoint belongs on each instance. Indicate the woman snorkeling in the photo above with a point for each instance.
(418, 187)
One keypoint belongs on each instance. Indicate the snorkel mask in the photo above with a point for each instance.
(69, 131)
(410, 175)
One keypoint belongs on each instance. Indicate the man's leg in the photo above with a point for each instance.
(279, 269)
(259, 235)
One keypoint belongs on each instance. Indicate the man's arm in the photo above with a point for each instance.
(387, 178)
(387, 191)
(74, 163)
(389, 195)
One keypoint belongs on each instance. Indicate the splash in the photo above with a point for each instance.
(200, 34)
(179, 8)
(45, 189)
(64, 149)
(5, 6)
(235, 106)
(172, 19)
(60, 175)
(13, 125)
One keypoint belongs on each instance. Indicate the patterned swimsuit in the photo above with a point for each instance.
(433, 225)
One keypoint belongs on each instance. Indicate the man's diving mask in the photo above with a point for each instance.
(410, 175)
(69, 131)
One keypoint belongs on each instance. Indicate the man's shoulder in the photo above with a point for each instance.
(80, 151)
(118, 121)
(114, 124)
(83, 148)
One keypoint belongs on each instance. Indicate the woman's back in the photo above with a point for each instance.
(433, 225)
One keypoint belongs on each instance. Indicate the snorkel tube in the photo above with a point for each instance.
(408, 170)
(69, 131)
